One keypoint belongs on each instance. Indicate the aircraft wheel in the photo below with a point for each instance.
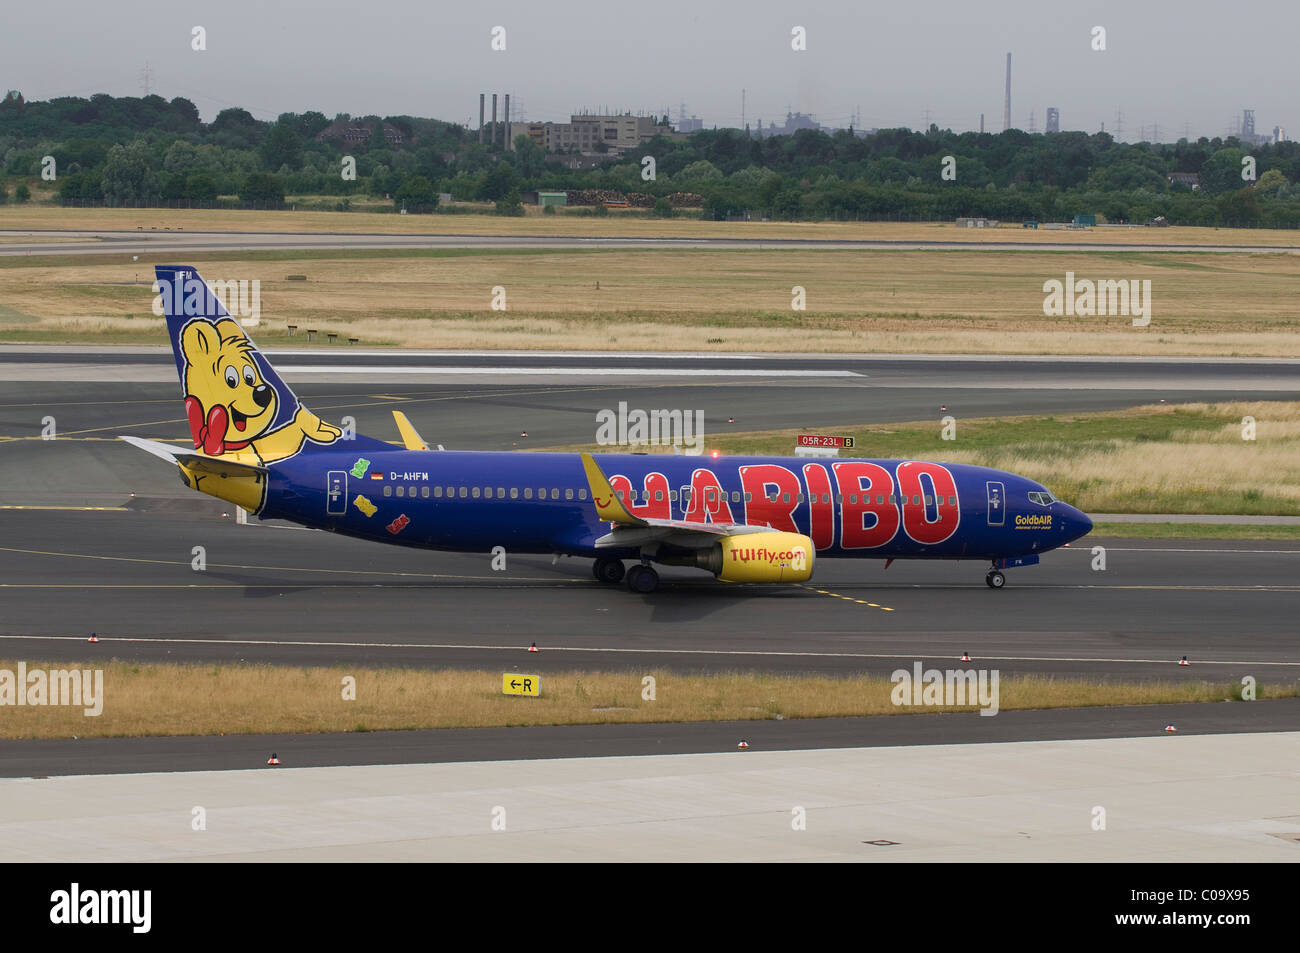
(642, 579)
(995, 580)
(606, 569)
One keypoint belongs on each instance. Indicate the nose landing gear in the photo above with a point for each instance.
(995, 579)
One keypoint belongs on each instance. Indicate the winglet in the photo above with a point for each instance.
(410, 439)
(608, 506)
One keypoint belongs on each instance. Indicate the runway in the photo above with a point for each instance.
(287, 595)
(55, 242)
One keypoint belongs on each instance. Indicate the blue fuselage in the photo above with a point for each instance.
(540, 502)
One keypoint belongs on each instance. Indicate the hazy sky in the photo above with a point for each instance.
(1187, 65)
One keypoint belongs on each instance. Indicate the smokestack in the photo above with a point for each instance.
(494, 117)
(480, 118)
(1006, 108)
(509, 143)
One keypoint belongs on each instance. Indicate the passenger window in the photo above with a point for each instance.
(880, 499)
(424, 491)
(582, 494)
(528, 493)
(659, 496)
(735, 496)
(672, 496)
(555, 494)
(916, 499)
(514, 493)
(749, 497)
(463, 493)
(401, 490)
(487, 492)
(798, 498)
(785, 497)
(568, 494)
(388, 490)
(474, 493)
(619, 494)
(501, 493)
(853, 498)
(826, 497)
(437, 492)
(928, 499)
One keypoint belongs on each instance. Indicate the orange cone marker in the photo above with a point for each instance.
(1183, 661)
(965, 656)
(93, 638)
(743, 744)
(533, 647)
(1170, 728)
(273, 759)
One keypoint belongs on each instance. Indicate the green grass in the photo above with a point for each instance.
(1195, 531)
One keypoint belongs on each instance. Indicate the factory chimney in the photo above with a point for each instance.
(1006, 107)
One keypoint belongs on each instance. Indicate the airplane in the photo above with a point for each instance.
(743, 519)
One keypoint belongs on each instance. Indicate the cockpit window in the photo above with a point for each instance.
(1042, 498)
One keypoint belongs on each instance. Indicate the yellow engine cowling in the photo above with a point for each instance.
(764, 557)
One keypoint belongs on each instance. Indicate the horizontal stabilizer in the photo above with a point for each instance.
(198, 462)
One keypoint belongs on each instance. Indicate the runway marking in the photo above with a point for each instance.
(836, 595)
(15, 506)
(562, 371)
(637, 651)
(328, 406)
(170, 562)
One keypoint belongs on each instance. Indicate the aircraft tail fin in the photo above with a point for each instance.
(235, 401)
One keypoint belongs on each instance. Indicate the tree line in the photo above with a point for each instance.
(121, 151)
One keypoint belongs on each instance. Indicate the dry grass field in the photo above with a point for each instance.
(1203, 304)
(43, 216)
(166, 699)
(1188, 458)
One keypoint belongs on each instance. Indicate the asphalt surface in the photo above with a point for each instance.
(37, 759)
(281, 594)
(110, 242)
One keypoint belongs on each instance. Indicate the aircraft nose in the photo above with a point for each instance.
(1077, 523)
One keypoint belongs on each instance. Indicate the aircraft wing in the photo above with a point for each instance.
(629, 530)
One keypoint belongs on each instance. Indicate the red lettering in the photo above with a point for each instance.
(821, 518)
(708, 500)
(654, 504)
(761, 511)
(940, 488)
(862, 487)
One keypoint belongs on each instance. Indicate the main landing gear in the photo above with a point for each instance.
(607, 570)
(995, 579)
(641, 577)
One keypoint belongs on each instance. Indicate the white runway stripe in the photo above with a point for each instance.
(641, 651)
(561, 371)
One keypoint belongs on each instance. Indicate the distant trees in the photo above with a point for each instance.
(129, 178)
(416, 194)
(136, 150)
(262, 189)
